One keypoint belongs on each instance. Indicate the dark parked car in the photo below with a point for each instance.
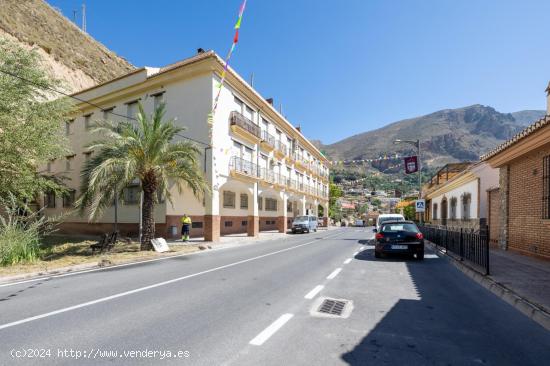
(399, 237)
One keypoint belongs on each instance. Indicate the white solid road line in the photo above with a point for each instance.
(269, 331)
(330, 276)
(310, 295)
(347, 261)
(42, 278)
(140, 289)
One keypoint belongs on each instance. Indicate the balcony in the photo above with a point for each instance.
(268, 141)
(245, 128)
(243, 169)
(299, 161)
(281, 150)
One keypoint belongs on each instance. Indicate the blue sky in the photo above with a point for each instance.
(348, 66)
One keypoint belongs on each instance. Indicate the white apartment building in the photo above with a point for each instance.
(261, 170)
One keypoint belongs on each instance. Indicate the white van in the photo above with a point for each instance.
(385, 218)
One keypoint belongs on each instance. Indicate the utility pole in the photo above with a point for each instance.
(252, 79)
(74, 16)
(84, 16)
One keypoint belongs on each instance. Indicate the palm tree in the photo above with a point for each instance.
(144, 151)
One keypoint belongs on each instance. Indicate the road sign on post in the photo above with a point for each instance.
(420, 205)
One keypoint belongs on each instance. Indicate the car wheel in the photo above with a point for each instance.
(420, 255)
(377, 254)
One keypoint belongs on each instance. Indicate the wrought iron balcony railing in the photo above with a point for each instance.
(243, 166)
(237, 119)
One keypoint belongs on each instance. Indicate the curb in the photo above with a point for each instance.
(528, 308)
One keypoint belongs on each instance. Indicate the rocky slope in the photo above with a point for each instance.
(448, 135)
(67, 52)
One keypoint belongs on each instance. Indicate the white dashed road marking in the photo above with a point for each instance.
(347, 261)
(310, 295)
(269, 331)
(334, 273)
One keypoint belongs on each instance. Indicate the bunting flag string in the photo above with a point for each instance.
(228, 58)
(363, 161)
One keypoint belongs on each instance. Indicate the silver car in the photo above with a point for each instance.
(304, 224)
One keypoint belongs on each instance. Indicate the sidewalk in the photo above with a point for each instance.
(238, 239)
(521, 281)
(527, 276)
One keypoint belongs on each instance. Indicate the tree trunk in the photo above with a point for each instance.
(148, 219)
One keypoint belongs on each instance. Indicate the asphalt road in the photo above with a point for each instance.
(254, 305)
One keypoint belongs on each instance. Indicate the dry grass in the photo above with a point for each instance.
(36, 23)
(64, 252)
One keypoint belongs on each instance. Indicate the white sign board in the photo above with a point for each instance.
(420, 205)
(160, 245)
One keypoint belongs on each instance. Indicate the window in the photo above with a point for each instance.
(228, 223)
(69, 198)
(196, 225)
(228, 199)
(546, 187)
(68, 127)
(260, 203)
(132, 108)
(434, 214)
(249, 113)
(244, 223)
(107, 114)
(466, 203)
(49, 200)
(453, 208)
(158, 99)
(87, 121)
(69, 163)
(289, 206)
(270, 204)
(132, 194)
(244, 200)
(238, 105)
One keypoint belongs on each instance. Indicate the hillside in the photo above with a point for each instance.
(448, 135)
(68, 53)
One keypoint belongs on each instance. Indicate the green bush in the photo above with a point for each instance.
(20, 232)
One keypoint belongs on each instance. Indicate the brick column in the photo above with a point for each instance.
(253, 227)
(504, 183)
(212, 228)
(282, 224)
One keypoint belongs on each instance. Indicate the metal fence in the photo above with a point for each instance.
(467, 245)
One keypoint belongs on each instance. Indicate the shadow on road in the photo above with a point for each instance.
(450, 321)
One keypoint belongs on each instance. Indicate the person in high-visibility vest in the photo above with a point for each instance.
(186, 227)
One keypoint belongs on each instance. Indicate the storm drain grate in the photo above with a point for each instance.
(332, 307)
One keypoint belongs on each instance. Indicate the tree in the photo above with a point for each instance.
(335, 192)
(30, 123)
(145, 152)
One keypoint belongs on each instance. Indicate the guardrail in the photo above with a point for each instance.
(467, 245)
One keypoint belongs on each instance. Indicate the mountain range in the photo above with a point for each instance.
(449, 135)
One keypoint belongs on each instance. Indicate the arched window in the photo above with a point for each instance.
(466, 203)
(434, 213)
(453, 207)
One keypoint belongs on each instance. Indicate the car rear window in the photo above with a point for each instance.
(393, 228)
(397, 218)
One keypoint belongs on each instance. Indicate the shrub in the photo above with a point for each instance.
(20, 232)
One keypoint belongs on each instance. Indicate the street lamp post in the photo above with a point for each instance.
(415, 143)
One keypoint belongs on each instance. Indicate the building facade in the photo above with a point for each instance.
(261, 170)
(461, 201)
(521, 204)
